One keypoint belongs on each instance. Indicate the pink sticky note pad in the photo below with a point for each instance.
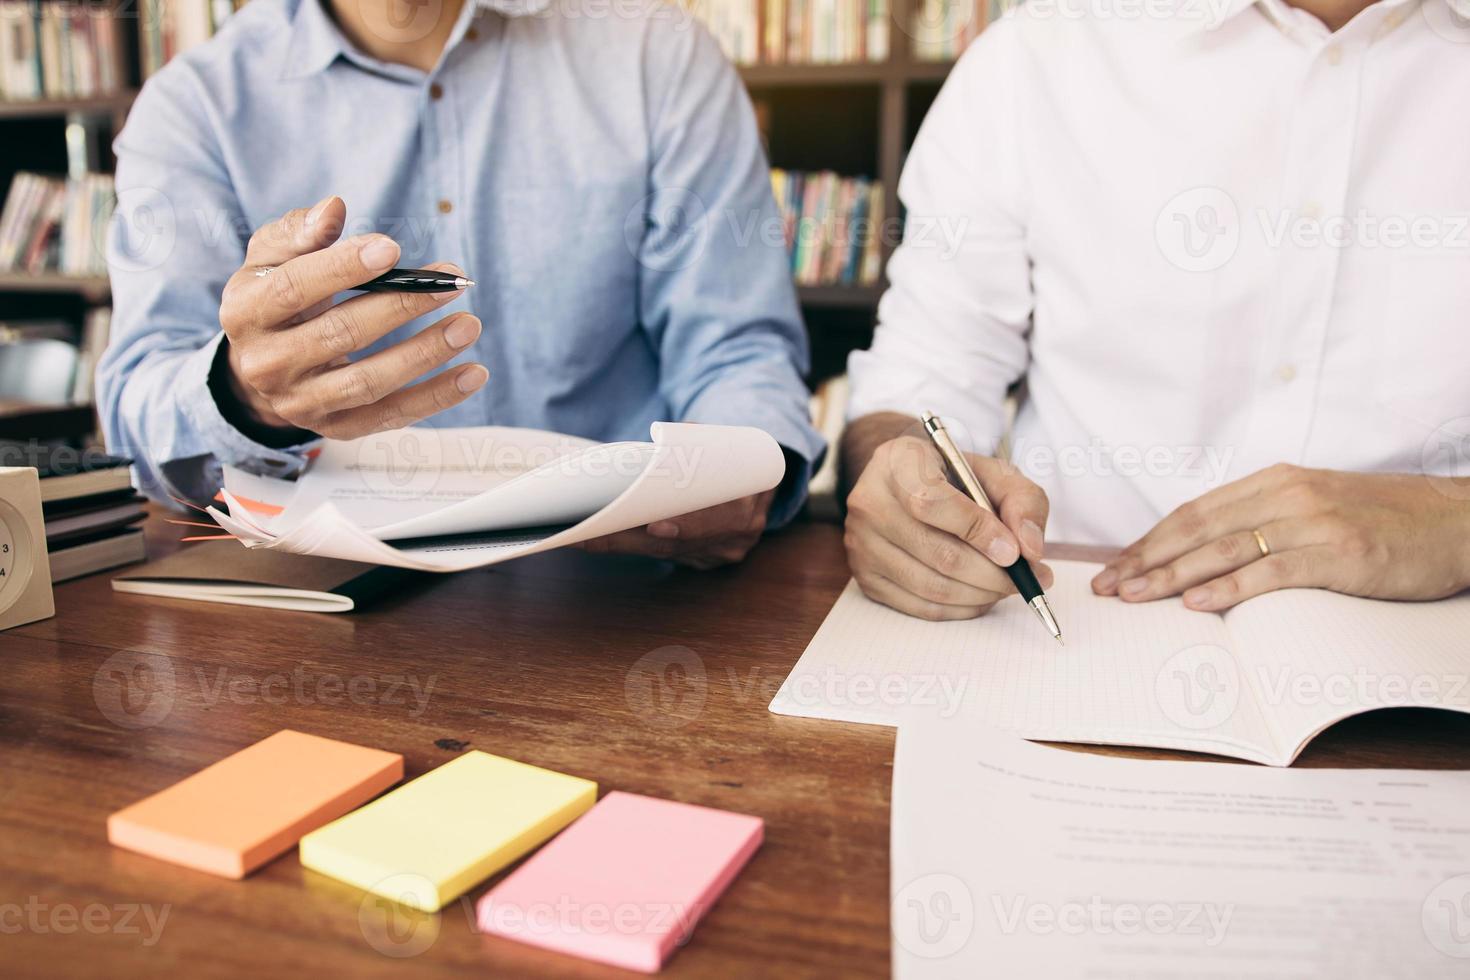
(626, 883)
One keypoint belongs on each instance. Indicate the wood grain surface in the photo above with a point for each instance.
(639, 676)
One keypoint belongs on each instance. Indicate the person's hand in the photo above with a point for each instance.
(288, 344)
(1386, 536)
(916, 543)
(720, 535)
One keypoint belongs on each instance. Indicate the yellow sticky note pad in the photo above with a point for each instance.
(431, 840)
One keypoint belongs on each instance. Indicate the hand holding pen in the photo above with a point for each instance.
(286, 373)
(1020, 569)
(915, 540)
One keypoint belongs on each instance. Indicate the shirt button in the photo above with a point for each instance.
(1286, 374)
(436, 92)
(445, 207)
(471, 35)
(1334, 55)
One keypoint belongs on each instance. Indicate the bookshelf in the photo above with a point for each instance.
(94, 289)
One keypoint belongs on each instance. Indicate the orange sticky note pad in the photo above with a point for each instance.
(232, 817)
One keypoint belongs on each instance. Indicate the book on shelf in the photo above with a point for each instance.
(171, 27)
(51, 224)
(833, 227)
(778, 32)
(942, 29)
(58, 50)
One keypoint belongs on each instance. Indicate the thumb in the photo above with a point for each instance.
(1021, 504)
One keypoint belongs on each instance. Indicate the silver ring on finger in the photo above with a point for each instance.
(264, 271)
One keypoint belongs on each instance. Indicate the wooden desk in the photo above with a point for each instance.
(643, 678)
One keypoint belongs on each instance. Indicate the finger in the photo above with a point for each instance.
(727, 551)
(1209, 561)
(1299, 568)
(923, 580)
(634, 541)
(1190, 526)
(943, 552)
(374, 378)
(325, 339)
(744, 516)
(296, 233)
(1022, 505)
(410, 405)
(880, 589)
(940, 505)
(276, 298)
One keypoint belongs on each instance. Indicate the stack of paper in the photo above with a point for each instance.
(445, 500)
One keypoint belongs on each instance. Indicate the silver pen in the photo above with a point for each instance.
(1019, 570)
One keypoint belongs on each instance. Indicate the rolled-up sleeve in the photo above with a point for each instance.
(715, 281)
(951, 335)
(177, 236)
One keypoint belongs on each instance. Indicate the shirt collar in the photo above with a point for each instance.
(1220, 12)
(316, 41)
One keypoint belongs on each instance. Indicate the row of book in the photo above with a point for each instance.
(58, 50)
(833, 227)
(942, 29)
(171, 27)
(775, 32)
(50, 224)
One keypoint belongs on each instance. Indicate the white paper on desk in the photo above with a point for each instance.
(469, 498)
(1013, 860)
(1257, 683)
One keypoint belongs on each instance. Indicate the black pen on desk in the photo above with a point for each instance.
(1019, 570)
(415, 281)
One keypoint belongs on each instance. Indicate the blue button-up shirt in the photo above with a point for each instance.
(594, 166)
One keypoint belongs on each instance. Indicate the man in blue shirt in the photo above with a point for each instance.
(595, 168)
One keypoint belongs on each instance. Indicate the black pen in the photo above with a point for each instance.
(415, 281)
(1019, 570)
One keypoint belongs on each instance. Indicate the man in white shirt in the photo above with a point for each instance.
(1226, 246)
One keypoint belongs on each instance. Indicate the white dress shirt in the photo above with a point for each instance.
(1209, 235)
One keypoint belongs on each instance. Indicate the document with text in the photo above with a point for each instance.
(1257, 683)
(1012, 859)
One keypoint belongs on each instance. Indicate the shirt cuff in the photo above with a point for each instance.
(227, 444)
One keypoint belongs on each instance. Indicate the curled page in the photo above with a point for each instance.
(686, 468)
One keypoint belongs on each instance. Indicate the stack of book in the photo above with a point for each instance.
(55, 225)
(942, 28)
(775, 32)
(90, 508)
(833, 227)
(172, 27)
(57, 50)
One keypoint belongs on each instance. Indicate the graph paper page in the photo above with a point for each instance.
(1152, 674)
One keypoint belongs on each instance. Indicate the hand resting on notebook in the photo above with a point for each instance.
(1383, 536)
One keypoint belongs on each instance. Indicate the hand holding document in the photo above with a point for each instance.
(1258, 682)
(449, 499)
(1011, 859)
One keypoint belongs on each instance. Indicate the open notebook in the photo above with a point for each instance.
(1257, 683)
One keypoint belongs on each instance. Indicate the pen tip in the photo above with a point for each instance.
(1060, 640)
(462, 283)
